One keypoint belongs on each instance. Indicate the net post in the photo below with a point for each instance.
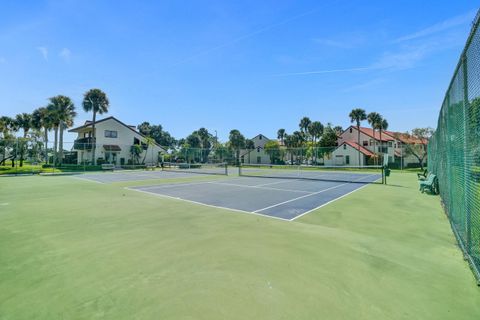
(239, 170)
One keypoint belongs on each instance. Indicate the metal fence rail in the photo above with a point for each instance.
(454, 150)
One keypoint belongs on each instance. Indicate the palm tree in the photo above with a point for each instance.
(65, 110)
(95, 100)
(281, 135)
(24, 121)
(6, 124)
(374, 118)
(289, 144)
(10, 127)
(42, 118)
(357, 116)
(303, 125)
(60, 109)
(315, 130)
(298, 140)
(237, 142)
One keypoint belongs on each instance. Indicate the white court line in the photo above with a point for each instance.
(278, 182)
(169, 185)
(322, 205)
(308, 195)
(207, 205)
(256, 187)
(86, 179)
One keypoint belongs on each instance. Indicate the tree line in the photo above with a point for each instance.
(56, 116)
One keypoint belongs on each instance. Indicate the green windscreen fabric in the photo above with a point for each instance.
(454, 150)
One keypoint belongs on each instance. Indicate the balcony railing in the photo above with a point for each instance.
(83, 144)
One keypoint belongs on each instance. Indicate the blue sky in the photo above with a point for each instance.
(251, 65)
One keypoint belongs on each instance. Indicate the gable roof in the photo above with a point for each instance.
(406, 138)
(89, 123)
(389, 135)
(356, 146)
(260, 135)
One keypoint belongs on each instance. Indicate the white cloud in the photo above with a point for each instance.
(365, 85)
(44, 52)
(400, 60)
(349, 41)
(65, 54)
(439, 27)
(323, 71)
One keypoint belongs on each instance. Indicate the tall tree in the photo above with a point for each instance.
(298, 141)
(65, 112)
(374, 119)
(24, 121)
(52, 112)
(357, 116)
(315, 130)
(160, 136)
(6, 124)
(272, 148)
(303, 125)
(95, 100)
(237, 142)
(290, 145)
(416, 143)
(42, 118)
(281, 135)
(145, 128)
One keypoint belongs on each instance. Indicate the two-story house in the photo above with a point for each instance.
(114, 141)
(257, 155)
(390, 143)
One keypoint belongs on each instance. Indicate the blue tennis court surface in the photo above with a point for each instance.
(285, 199)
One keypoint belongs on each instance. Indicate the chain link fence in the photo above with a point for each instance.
(454, 150)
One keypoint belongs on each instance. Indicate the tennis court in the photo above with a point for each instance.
(283, 195)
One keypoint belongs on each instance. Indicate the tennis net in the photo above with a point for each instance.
(201, 168)
(350, 174)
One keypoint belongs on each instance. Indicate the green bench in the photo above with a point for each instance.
(429, 183)
(423, 175)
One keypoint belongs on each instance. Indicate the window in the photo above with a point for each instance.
(110, 134)
(259, 159)
(390, 143)
(347, 159)
(351, 129)
(365, 143)
(371, 142)
(344, 147)
(260, 137)
(258, 149)
(136, 141)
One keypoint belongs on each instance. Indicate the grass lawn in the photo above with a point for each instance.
(72, 249)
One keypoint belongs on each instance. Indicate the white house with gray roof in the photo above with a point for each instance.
(114, 140)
